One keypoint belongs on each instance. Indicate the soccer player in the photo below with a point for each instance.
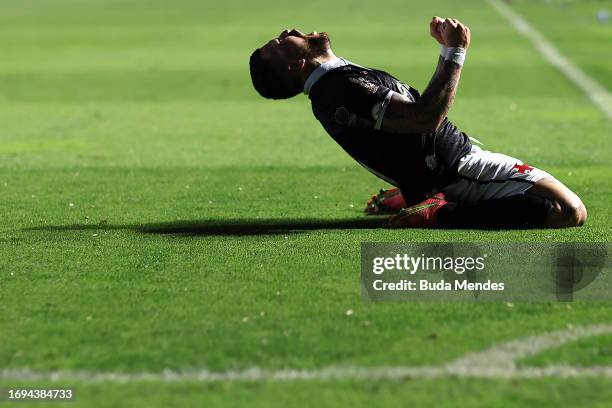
(405, 138)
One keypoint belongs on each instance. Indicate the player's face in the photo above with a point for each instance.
(293, 45)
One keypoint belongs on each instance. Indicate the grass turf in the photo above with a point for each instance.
(157, 214)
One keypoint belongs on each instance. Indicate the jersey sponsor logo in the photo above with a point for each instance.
(365, 83)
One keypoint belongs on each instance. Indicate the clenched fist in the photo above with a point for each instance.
(454, 33)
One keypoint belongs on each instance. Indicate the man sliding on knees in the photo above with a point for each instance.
(405, 138)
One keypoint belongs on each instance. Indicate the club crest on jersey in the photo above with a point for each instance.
(522, 168)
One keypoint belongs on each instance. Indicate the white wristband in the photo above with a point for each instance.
(443, 51)
(456, 55)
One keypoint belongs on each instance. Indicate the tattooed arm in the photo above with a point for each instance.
(426, 114)
(401, 115)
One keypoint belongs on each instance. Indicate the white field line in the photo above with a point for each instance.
(598, 94)
(497, 362)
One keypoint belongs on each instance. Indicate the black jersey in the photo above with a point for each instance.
(416, 163)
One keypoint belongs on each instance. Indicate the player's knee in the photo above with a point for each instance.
(581, 215)
(575, 214)
(567, 215)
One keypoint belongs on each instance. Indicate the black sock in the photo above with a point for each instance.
(518, 211)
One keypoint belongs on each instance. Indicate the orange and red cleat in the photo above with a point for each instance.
(422, 215)
(385, 202)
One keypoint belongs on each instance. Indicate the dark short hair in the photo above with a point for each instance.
(269, 81)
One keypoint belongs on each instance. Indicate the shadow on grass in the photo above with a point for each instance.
(236, 227)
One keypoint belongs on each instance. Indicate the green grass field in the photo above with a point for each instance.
(157, 214)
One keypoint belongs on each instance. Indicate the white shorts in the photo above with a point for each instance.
(484, 175)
